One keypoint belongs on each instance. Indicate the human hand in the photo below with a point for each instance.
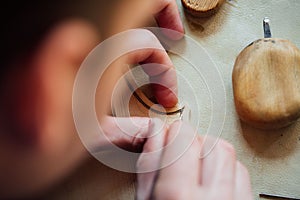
(37, 110)
(217, 176)
(136, 13)
(167, 16)
(134, 132)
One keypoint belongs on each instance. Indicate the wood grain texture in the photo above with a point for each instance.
(143, 104)
(266, 83)
(202, 8)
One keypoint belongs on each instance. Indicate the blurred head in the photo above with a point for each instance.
(44, 45)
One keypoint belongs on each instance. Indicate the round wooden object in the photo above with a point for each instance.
(266, 83)
(201, 8)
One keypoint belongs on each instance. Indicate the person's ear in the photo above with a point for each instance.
(42, 96)
(36, 111)
(67, 43)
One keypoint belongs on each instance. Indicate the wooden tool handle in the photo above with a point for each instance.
(266, 83)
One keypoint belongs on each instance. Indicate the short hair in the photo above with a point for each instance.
(25, 23)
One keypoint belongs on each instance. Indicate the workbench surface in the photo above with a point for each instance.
(272, 158)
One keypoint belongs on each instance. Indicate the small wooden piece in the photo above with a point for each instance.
(143, 104)
(266, 83)
(202, 8)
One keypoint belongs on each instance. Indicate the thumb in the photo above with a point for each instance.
(126, 133)
(136, 134)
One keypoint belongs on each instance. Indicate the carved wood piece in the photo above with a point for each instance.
(201, 8)
(142, 104)
(266, 83)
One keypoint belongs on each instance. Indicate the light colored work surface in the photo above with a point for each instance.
(273, 158)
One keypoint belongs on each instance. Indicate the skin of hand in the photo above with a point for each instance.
(165, 13)
(218, 175)
(36, 105)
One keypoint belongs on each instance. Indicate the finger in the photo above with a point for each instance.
(149, 161)
(160, 70)
(167, 16)
(181, 155)
(163, 78)
(163, 72)
(165, 12)
(126, 133)
(219, 170)
(242, 183)
(136, 134)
